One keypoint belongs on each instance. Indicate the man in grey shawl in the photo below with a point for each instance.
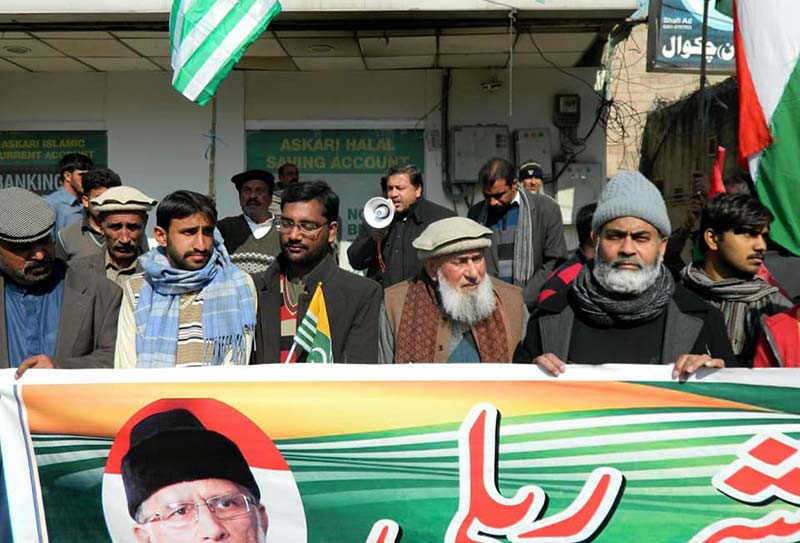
(733, 229)
(527, 231)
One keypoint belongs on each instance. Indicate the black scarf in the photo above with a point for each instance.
(606, 308)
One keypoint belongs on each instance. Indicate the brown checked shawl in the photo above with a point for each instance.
(419, 323)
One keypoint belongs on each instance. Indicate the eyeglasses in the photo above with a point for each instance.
(306, 227)
(181, 515)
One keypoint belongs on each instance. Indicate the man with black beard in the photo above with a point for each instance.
(625, 307)
(452, 311)
(308, 226)
(38, 291)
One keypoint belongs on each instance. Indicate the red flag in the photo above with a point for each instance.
(716, 186)
(754, 134)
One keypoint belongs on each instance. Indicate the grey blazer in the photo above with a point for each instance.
(549, 247)
(87, 331)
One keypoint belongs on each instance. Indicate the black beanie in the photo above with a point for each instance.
(174, 447)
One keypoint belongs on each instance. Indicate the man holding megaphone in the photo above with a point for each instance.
(383, 246)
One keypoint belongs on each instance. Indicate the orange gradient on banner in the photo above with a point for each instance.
(293, 410)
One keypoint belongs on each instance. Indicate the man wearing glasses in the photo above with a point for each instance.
(308, 226)
(175, 494)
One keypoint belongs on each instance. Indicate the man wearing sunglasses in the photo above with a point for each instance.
(308, 226)
(174, 495)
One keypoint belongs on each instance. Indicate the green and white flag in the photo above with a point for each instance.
(768, 72)
(208, 37)
(314, 332)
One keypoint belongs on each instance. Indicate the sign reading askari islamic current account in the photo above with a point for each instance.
(418, 454)
(29, 159)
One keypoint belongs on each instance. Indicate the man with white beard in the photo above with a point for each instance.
(625, 307)
(452, 311)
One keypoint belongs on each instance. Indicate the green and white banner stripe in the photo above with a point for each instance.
(208, 37)
(668, 457)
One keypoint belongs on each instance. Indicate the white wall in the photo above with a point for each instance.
(411, 94)
(155, 136)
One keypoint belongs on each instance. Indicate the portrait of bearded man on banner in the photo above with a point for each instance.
(198, 470)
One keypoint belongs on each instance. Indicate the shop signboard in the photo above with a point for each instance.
(675, 38)
(29, 158)
(352, 162)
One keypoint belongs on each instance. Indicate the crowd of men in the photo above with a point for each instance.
(81, 288)
(495, 286)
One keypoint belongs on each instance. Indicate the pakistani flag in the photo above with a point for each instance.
(208, 37)
(314, 332)
(767, 41)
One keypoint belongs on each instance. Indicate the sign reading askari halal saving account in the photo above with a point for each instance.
(351, 161)
(29, 159)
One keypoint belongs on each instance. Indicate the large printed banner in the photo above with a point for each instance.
(422, 454)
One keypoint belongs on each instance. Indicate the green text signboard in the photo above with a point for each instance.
(29, 159)
(351, 161)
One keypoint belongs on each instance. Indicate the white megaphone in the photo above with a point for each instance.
(379, 212)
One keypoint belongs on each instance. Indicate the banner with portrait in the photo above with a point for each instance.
(422, 453)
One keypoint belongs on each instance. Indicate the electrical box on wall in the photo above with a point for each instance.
(567, 111)
(580, 184)
(534, 144)
(473, 146)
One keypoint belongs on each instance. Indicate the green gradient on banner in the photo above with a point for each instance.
(766, 397)
(411, 475)
(72, 478)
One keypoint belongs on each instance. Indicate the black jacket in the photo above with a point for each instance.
(353, 304)
(693, 326)
(399, 257)
(234, 231)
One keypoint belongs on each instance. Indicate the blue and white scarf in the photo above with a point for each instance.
(229, 308)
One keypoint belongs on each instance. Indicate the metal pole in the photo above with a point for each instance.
(212, 150)
(701, 101)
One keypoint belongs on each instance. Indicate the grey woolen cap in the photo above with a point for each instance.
(24, 216)
(631, 194)
(451, 235)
